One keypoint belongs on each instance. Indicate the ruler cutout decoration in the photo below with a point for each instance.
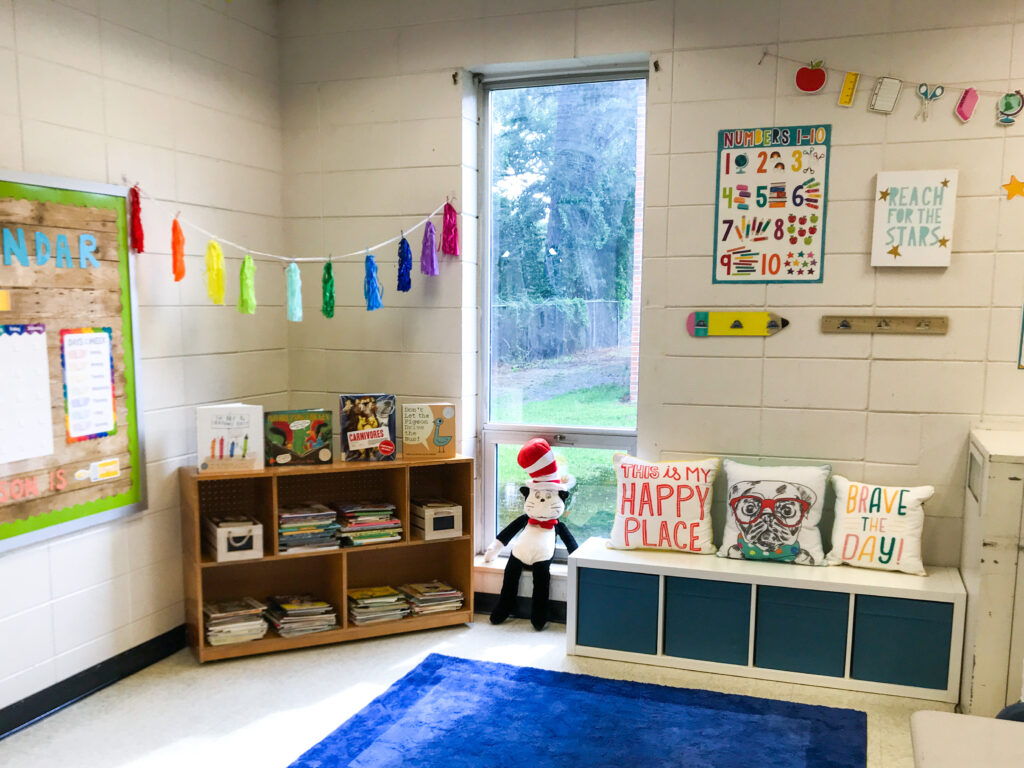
(931, 325)
(849, 89)
(704, 323)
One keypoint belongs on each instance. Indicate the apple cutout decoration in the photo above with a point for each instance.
(811, 79)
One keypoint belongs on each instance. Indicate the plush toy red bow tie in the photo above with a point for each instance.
(548, 524)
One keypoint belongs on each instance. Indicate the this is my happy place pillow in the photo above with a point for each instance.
(663, 505)
(773, 513)
(879, 526)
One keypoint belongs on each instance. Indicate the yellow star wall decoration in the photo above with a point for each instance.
(1014, 187)
(894, 251)
(883, 194)
(943, 242)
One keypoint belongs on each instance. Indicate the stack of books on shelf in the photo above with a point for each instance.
(432, 597)
(294, 615)
(367, 522)
(234, 621)
(307, 527)
(370, 605)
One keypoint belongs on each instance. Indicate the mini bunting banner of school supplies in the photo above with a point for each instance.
(177, 251)
(703, 323)
(371, 286)
(247, 286)
(450, 231)
(215, 272)
(428, 256)
(404, 266)
(327, 283)
(294, 293)
(137, 235)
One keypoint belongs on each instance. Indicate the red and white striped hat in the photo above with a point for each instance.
(538, 460)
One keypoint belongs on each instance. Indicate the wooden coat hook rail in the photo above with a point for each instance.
(934, 325)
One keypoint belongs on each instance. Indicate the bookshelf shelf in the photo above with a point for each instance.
(328, 574)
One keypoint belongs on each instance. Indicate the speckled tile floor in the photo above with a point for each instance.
(266, 710)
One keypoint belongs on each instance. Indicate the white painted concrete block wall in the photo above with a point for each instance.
(888, 410)
(183, 97)
(368, 119)
(373, 143)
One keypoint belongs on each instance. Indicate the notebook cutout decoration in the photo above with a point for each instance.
(886, 93)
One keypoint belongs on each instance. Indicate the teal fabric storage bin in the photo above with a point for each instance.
(903, 642)
(617, 610)
(801, 630)
(722, 632)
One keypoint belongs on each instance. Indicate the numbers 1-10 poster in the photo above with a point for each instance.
(770, 204)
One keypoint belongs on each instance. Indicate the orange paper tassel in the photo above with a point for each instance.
(177, 251)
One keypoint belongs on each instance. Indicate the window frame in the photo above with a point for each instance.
(493, 434)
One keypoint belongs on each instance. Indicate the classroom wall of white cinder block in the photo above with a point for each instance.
(312, 127)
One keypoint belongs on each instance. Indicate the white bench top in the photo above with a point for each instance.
(948, 740)
(941, 584)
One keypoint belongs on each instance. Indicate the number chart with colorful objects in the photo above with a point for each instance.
(770, 205)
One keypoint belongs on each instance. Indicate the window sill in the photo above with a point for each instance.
(487, 578)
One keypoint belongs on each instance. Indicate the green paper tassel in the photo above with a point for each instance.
(328, 283)
(247, 283)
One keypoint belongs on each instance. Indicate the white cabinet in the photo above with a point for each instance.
(993, 572)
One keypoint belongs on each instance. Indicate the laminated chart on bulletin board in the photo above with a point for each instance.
(771, 196)
(70, 442)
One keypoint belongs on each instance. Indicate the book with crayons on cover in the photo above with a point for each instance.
(229, 438)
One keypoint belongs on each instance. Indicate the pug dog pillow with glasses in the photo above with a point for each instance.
(772, 513)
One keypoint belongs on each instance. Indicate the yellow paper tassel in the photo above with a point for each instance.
(215, 272)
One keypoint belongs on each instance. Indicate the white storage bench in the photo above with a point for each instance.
(834, 626)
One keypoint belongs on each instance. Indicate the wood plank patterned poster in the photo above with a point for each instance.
(70, 438)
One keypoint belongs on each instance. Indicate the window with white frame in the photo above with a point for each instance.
(564, 200)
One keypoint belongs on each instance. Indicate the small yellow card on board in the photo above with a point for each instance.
(5, 301)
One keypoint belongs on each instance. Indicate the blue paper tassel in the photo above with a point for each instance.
(404, 265)
(294, 293)
(371, 287)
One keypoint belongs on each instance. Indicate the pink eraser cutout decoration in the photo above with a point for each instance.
(965, 107)
(691, 323)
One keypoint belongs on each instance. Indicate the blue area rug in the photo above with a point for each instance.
(454, 713)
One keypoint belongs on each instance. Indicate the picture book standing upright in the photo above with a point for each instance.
(368, 427)
(229, 437)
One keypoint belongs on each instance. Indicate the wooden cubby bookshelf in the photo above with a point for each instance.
(327, 574)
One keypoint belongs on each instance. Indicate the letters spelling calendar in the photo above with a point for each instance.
(770, 205)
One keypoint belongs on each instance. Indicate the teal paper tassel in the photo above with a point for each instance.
(371, 286)
(327, 281)
(294, 293)
(247, 287)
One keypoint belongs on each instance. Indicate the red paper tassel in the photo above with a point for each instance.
(137, 235)
(450, 232)
(177, 251)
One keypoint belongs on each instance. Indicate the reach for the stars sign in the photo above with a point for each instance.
(914, 213)
(770, 204)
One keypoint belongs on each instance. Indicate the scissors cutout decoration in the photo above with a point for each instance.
(927, 96)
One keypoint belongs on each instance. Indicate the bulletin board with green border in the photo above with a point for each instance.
(70, 437)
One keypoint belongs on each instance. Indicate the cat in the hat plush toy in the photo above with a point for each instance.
(546, 494)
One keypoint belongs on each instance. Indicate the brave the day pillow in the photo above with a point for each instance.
(772, 513)
(879, 526)
(663, 505)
